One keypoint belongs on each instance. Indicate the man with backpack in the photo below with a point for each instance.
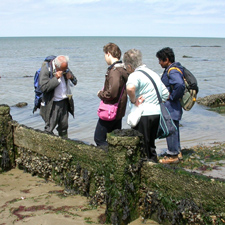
(175, 84)
(57, 102)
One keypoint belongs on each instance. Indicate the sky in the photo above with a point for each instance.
(151, 18)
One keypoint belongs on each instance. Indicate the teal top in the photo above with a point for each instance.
(144, 86)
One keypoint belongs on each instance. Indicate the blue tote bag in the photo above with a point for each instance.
(166, 124)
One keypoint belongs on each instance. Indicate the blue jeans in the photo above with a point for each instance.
(173, 141)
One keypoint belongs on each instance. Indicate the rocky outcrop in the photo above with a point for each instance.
(216, 100)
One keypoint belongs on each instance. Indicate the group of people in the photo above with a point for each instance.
(124, 82)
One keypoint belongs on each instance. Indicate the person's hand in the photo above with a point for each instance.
(139, 100)
(69, 75)
(58, 74)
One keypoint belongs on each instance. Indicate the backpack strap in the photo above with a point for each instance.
(174, 68)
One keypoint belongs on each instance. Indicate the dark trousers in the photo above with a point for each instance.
(59, 116)
(148, 126)
(103, 127)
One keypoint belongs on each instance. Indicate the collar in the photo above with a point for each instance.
(171, 65)
(53, 66)
(141, 67)
(110, 67)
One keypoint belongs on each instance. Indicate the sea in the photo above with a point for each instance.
(20, 57)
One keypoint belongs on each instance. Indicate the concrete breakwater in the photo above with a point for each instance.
(116, 176)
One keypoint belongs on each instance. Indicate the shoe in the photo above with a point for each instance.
(180, 156)
(169, 159)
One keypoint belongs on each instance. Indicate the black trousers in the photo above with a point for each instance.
(148, 126)
(103, 127)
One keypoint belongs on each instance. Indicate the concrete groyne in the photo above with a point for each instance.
(116, 176)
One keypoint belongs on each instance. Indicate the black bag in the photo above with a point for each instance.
(166, 124)
(191, 88)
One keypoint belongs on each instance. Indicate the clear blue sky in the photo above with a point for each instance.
(176, 18)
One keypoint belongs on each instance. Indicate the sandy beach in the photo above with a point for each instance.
(27, 199)
(33, 201)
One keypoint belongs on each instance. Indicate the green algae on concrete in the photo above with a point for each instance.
(6, 140)
(123, 190)
(175, 196)
(118, 177)
(203, 157)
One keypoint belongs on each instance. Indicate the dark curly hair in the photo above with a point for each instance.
(165, 53)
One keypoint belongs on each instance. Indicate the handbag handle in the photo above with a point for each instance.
(153, 82)
(121, 93)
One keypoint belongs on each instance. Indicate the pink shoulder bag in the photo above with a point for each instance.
(108, 111)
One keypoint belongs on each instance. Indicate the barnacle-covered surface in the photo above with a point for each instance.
(111, 177)
(122, 184)
(118, 177)
(175, 196)
(70, 163)
(6, 141)
(203, 158)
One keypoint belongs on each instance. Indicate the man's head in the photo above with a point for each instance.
(132, 59)
(61, 62)
(166, 57)
(112, 53)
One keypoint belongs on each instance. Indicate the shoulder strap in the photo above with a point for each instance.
(174, 68)
(153, 82)
(121, 93)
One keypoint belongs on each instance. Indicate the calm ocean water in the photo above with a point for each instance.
(21, 57)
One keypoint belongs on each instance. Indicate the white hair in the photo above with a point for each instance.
(133, 57)
(61, 59)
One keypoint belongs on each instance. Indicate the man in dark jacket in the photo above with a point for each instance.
(174, 82)
(57, 100)
(115, 80)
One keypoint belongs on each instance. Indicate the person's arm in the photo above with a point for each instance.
(177, 83)
(70, 76)
(112, 91)
(165, 92)
(47, 84)
(131, 93)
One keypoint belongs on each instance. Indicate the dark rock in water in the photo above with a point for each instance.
(21, 104)
(27, 76)
(216, 100)
(186, 56)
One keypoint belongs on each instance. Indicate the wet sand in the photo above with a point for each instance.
(30, 200)
(33, 201)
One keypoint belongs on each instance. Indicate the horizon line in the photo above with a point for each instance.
(115, 36)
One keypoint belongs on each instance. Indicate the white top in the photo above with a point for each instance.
(61, 90)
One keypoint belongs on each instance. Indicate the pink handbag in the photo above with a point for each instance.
(108, 111)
